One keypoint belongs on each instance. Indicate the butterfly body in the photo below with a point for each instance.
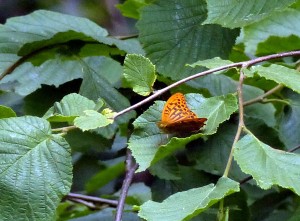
(178, 118)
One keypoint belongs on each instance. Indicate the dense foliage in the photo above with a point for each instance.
(70, 114)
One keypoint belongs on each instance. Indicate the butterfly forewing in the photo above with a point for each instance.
(177, 117)
(176, 109)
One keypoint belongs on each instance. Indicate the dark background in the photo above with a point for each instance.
(103, 12)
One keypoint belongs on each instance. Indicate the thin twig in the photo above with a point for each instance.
(92, 199)
(64, 129)
(294, 149)
(246, 180)
(270, 57)
(241, 120)
(83, 202)
(265, 100)
(233, 65)
(160, 92)
(131, 167)
(241, 125)
(261, 97)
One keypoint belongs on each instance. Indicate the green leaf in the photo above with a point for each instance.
(131, 8)
(237, 205)
(104, 177)
(172, 36)
(264, 112)
(211, 63)
(279, 24)
(187, 204)
(38, 26)
(139, 73)
(268, 160)
(148, 144)
(35, 169)
(220, 84)
(52, 42)
(28, 78)
(61, 69)
(95, 86)
(266, 134)
(71, 106)
(138, 193)
(216, 84)
(212, 155)
(161, 189)
(279, 215)
(290, 121)
(219, 110)
(87, 141)
(166, 169)
(296, 214)
(39, 102)
(263, 207)
(91, 120)
(233, 14)
(6, 112)
(53, 23)
(110, 69)
(276, 44)
(41, 25)
(280, 74)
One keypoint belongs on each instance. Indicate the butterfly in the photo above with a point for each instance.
(178, 118)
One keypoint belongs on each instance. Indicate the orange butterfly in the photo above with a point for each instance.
(178, 118)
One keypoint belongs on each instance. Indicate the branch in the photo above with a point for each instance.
(23, 59)
(130, 169)
(264, 101)
(245, 180)
(261, 97)
(83, 202)
(94, 199)
(294, 149)
(225, 67)
(272, 56)
(160, 92)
